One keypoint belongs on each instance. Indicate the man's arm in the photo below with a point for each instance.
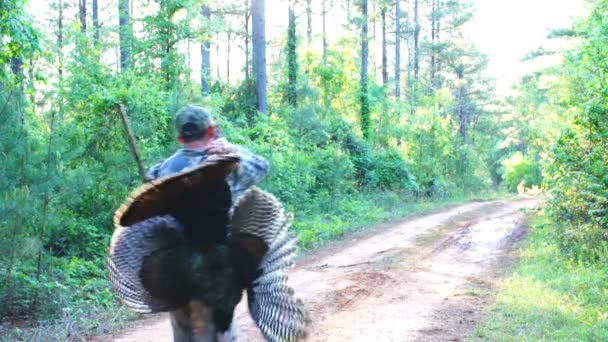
(252, 168)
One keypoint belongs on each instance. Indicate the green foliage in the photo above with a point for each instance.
(338, 92)
(520, 170)
(240, 103)
(578, 162)
(174, 21)
(441, 163)
(19, 38)
(389, 171)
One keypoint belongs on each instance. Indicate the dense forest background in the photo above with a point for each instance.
(394, 112)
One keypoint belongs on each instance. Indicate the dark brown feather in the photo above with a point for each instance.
(247, 252)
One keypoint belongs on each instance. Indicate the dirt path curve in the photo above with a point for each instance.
(421, 279)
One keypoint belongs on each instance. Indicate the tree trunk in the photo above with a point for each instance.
(348, 17)
(228, 34)
(258, 31)
(309, 22)
(124, 34)
(60, 41)
(60, 57)
(463, 115)
(247, 54)
(32, 84)
(409, 48)
(45, 202)
(437, 59)
(8, 281)
(436, 27)
(434, 32)
(373, 37)
(96, 20)
(17, 70)
(323, 16)
(324, 81)
(189, 59)
(416, 41)
(384, 54)
(217, 57)
(397, 49)
(365, 115)
(292, 62)
(462, 105)
(82, 15)
(205, 56)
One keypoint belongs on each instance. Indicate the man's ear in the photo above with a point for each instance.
(180, 140)
(210, 132)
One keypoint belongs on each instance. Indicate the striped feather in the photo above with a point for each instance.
(259, 213)
(128, 248)
(271, 301)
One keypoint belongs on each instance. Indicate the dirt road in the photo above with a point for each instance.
(421, 279)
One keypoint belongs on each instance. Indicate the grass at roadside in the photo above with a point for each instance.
(548, 297)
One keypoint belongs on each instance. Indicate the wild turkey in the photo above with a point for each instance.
(177, 247)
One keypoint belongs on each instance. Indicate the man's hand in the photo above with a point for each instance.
(221, 146)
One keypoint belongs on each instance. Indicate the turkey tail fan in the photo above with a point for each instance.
(164, 195)
(271, 301)
(152, 229)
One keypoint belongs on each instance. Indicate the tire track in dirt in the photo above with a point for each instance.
(418, 279)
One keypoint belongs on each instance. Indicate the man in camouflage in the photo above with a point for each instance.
(199, 136)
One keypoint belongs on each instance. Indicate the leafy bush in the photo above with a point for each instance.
(389, 171)
(519, 169)
(579, 201)
(577, 164)
(240, 103)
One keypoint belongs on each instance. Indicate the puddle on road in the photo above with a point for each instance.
(482, 239)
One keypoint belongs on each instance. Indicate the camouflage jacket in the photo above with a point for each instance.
(252, 168)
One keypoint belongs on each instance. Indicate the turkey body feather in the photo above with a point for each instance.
(177, 248)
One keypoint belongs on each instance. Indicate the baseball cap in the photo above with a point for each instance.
(192, 122)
